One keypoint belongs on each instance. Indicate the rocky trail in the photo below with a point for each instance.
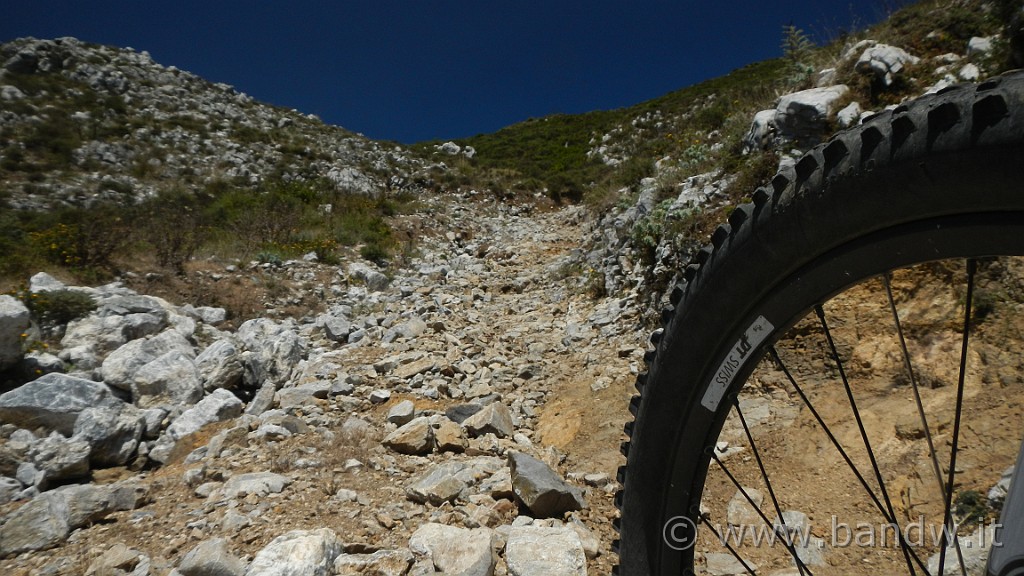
(461, 417)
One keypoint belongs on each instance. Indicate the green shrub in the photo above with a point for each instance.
(84, 239)
(267, 257)
(798, 52)
(54, 308)
(174, 226)
(375, 252)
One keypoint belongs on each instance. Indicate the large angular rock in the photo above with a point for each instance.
(133, 304)
(272, 351)
(298, 553)
(211, 558)
(373, 279)
(205, 314)
(48, 519)
(9, 489)
(416, 437)
(448, 436)
(220, 366)
(56, 459)
(169, 379)
(402, 413)
(306, 395)
(803, 116)
(493, 419)
(540, 489)
(88, 339)
(54, 402)
(219, 406)
(14, 321)
(112, 433)
(884, 62)
(440, 484)
(421, 366)
(538, 551)
(121, 366)
(454, 550)
(762, 131)
(336, 328)
(41, 523)
(41, 282)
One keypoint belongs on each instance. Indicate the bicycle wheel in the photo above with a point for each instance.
(773, 308)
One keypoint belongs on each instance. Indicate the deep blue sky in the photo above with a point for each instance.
(411, 70)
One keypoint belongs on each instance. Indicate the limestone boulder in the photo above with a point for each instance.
(539, 551)
(219, 406)
(884, 62)
(307, 552)
(454, 550)
(803, 116)
(14, 321)
(54, 401)
(220, 365)
(113, 433)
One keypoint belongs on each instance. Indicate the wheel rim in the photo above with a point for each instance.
(873, 455)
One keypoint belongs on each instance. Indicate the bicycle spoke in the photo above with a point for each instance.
(972, 267)
(735, 554)
(842, 452)
(787, 539)
(864, 435)
(909, 366)
(764, 476)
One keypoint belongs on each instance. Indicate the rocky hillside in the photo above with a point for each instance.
(453, 409)
(471, 403)
(81, 123)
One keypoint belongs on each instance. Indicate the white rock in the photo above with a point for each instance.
(885, 62)
(849, 115)
(211, 557)
(219, 406)
(120, 367)
(259, 483)
(112, 433)
(761, 132)
(454, 550)
(538, 551)
(970, 73)
(449, 148)
(978, 46)
(14, 321)
(43, 282)
(298, 553)
(402, 413)
(380, 563)
(741, 512)
(169, 379)
(220, 365)
(275, 351)
(54, 401)
(803, 115)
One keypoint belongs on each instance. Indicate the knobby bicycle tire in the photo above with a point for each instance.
(939, 177)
